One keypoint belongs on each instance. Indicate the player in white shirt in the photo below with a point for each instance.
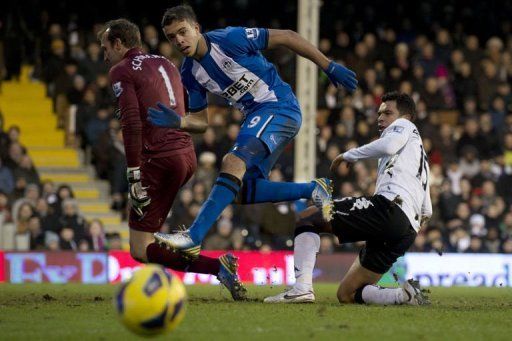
(388, 221)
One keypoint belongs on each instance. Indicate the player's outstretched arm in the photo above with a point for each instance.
(337, 73)
(166, 117)
(387, 145)
(195, 122)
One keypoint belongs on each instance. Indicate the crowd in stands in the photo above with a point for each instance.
(37, 215)
(459, 80)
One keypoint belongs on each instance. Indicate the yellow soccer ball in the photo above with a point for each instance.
(152, 302)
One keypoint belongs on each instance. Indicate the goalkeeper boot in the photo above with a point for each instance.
(292, 296)
(413, 294)
(179, 241)
(322, 197)
(229, 278)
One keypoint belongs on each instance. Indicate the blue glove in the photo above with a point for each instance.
(340, 75)
(166, 117)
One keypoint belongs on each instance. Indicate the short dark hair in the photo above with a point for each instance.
(124, 30)
(179, 13)
(404, 103)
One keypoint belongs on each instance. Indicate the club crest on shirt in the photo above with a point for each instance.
(398, 129)
(117, 88)
(227, 64)
(251, 33)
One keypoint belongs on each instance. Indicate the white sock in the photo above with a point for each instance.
(385, 296)
(306, 246)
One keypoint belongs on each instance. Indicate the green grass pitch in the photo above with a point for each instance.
(80, 312)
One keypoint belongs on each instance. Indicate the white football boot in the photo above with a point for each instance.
(292, 296)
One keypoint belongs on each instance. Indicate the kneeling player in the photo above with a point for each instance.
(388, 221)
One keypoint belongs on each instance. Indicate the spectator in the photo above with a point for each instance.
(114, 241)
(64, 192)
(487, 84)
(206, 172)
(98, 240)
(22, 237)
(117, 170)
(52, 241)
(71, 219)
(7, 227)
(26, 170)
(493, 242)
(83, 245)
(54, 65)
(67, 239)
(493, 136)
(37, 236)
(86, 110)
(6, 179)
(93, 63)
(469, 163)
(15, 154)
(151, 39)
(104, 95)
(506, 247)
(476, 245)
(224, 238)
(465, 85)
(96, 126)
(472, 137)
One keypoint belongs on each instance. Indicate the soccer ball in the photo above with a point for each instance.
(151, 302)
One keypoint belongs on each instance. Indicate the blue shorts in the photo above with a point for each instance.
(275, 126)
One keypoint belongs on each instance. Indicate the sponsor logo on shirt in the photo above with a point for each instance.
(251, 33)
(117, 88)
(236, 90)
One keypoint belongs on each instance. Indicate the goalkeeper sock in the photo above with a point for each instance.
(174, 261)
(262, 190)
(373, 294)
(205, 265)
(306, 246)
(223, 193)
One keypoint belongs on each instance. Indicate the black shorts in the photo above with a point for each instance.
(381, 223)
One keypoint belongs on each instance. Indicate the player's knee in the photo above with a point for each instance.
(231, 159)
(234, 165)
(305, 227)
(311, 217)
(250, 150)
(138, 254)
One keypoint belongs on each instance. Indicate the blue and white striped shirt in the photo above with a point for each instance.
(235, 69)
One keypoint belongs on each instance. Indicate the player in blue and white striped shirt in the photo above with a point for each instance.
(228, 62)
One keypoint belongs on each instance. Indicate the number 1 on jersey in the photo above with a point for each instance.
(168, 85)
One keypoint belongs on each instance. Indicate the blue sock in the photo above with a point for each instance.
(261, 190)
(223, 193)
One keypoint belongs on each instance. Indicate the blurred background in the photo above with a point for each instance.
(62, 168)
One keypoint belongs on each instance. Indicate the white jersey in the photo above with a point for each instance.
(403, 168)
